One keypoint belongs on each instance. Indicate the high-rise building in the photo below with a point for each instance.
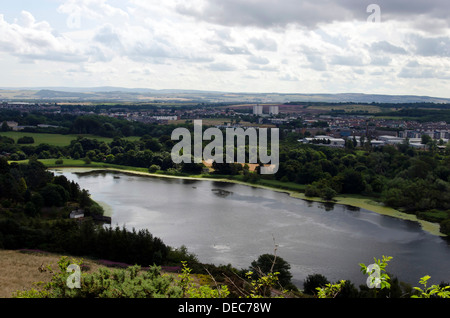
(257, 110)
(273, 110)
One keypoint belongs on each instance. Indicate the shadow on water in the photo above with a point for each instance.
(352, 208)
(221, 192)
(189, 181)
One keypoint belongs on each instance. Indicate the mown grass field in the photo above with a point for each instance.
(351, 108)
(54, 139)
(69, 163)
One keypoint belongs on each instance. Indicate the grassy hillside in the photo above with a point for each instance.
(20, 269)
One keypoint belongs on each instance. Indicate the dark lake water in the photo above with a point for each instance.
(225, 223)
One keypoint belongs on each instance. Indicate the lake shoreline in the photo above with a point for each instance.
(364, 203)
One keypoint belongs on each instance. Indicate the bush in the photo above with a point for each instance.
(268, 263)
(54, 195)
(119, 283)
(445, 227)
(154, 168)
(328, 193)
(312, 191)
(314, 281)
(25, 140)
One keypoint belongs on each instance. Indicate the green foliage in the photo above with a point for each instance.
(154, 168)
(119, 283)
(268, 263)
(377, 273)
(262, 285)
(313, 282)
(25, 140)
(432, 291)
(330, 290)
(445, 227)
(192, 290)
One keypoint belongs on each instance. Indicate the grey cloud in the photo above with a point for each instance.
(380, 60)
(310, 13)
(347, 60)
(413, 64)
(385, 46)
(200, 59)
(233, 50)
(221, 67)
(264, 68)
(264, 44)
(417, 73)
(224, 34)
(316, 62)
(258, 60)
(54, 56)
(288, 77)
(262, 13)
(413, 69)
(436, 46)
(153, 51)
(108, 36)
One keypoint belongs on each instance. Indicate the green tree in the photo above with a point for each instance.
(425, 139)
(268, 263)
(314, 281)
(54, 195)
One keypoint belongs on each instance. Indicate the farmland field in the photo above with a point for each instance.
(54, 139)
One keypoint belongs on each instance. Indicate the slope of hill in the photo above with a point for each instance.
(20, 269)
(104, 94)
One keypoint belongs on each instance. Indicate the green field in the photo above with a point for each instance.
(55, 139)
(51, 163)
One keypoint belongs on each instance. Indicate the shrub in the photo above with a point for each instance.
(314, 281)
(119, 283)
(25, 140)
(154, 168)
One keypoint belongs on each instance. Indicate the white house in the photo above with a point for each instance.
(77, 214)
(330, 141)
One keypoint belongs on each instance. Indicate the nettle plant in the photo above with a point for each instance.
(378, 278)
(433, 291)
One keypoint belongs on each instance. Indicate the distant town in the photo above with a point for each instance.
(318, 127)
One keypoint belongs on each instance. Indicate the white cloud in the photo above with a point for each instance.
(31, 40)
(244, 45)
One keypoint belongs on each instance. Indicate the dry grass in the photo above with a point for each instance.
(19, 270)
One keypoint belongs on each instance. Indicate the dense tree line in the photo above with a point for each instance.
(34, 213)
(69, 123)
(414, 181)
(420, 115)
(84, 239)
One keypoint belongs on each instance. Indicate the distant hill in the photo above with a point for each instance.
(110, 93)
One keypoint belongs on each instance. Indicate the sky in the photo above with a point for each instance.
(399, 47)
